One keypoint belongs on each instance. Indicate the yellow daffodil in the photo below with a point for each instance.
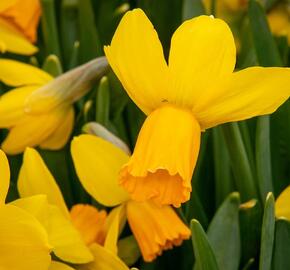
(279, 20)
(18, 25)
(196, 90)
(24, 242)
(282, 204)
(97, 163)
(83, 221)
(49, 123)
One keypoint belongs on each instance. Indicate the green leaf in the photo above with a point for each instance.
(266, 48)
(204, 255)
(90, 46)
(281, 258)
(263, 156)
(267, 236)
(192, 8)
(224, 233)
(103, 102)
(52, 65)
(242, 169)
(49, 27)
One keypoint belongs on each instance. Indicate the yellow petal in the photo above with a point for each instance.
(36, 205)
(11, 105)
(23, 241)
(4, 177)
(15, 73)
(247, 93)
(59, 266)
(31, 131)
(202, 53)
(164, 157)
(97, 164)
(90, 223)
(282, 205)
(4, 4)
(35, 178)
(13, 40)
(104, 260)
(115, 224)
(139, 64)
(67, 242)
(155, 228)
(61, 135)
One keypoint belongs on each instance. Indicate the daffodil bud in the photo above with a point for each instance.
(66, 88)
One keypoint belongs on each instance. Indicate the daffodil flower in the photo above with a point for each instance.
(97, 163)
(196, 90)
(18, 25)
(282, 204)
(78, 235)
(24, 243)
(39, 111)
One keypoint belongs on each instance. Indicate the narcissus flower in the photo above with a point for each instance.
(156, 228)
(18, 25)
(24, 243)
(82, 233)
(39, 111)
(282, 204)
(196, 90)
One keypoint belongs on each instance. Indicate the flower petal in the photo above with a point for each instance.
(31, 131)
(4, 177)
(136, 56)
(155, 228)
(97, 164)
(247, 93)
(15, 73)
(12, 105)
(282, 204)
(115, 224)
(23, 241)
(202, 53)
(104, 260)
(13, 40)
(35, 178)
(59, 266)
(60, 136)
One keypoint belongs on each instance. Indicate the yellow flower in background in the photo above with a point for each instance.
(50, 122)
(18, 25)
(196, 90)
(77, 235)
(279, 20)
(282, 204)
(156, 228)
(24, 243)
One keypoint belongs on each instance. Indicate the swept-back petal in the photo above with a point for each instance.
(136, 56)
(282, 204)
(12, 40)
(247, 93)
(31, 131)
(35, 178)
(4, 177)
(23, 241)
(59, 266)
(104, 260)
(155, 228)
(15, 73)
(202, 53)
(61, 135)
(12, 105)
(97, 164)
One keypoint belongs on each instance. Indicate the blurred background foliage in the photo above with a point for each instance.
(249, 157)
